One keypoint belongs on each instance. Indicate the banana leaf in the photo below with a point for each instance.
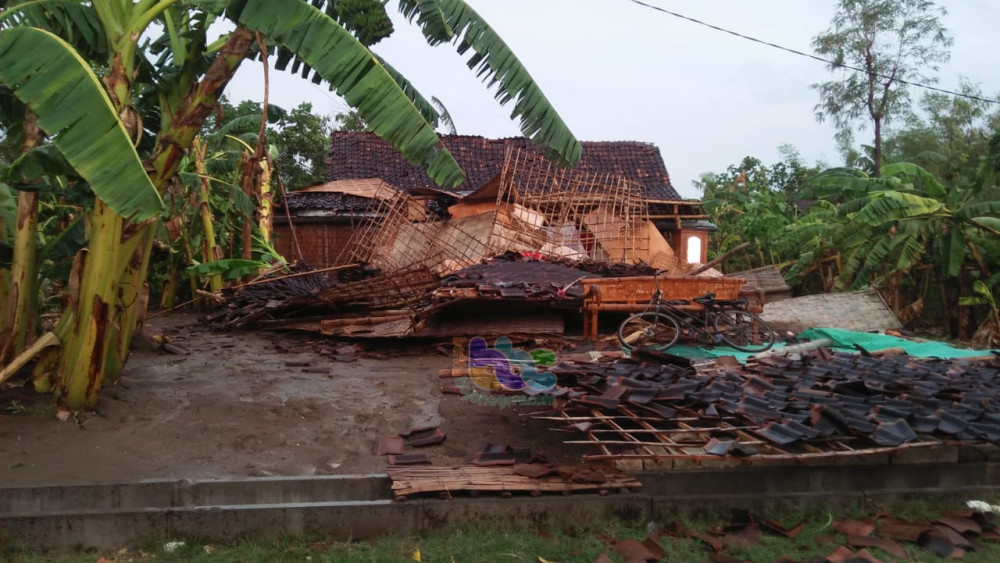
(48, 75)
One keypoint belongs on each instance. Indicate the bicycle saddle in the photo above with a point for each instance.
(705, 299)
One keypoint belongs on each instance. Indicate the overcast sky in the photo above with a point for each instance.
(619, 71)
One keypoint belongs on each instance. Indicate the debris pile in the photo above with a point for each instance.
(813, 406)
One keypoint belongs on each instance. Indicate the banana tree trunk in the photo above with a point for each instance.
(132, 301)
(248, 179)
(20, 316)
(20, 313)
(97, 330)
(211, 250)
(82, 365)
(265, 210)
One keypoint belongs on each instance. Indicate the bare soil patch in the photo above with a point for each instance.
(254, 403)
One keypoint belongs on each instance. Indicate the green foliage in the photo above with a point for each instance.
(880, 229)
(9, 139)
(302, 139)
(43, 160)
(339, 58)
(230, 268)
(350, 120)
(94, 142)
(496, 64)
(71, 20)
(753, 202)
(950, 138)
(123, 88)
(983, 295)
(8, 216)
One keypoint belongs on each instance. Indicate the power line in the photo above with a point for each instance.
(811, 56)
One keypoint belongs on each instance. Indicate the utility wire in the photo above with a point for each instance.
(811, 56)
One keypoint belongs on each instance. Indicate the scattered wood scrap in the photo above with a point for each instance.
(407, 481)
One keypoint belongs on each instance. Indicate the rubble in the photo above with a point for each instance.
(817, 405)
(529, 235)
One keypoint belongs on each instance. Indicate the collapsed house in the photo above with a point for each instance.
(362, 165)
(406, 258)
(396, 256)
(535, 243)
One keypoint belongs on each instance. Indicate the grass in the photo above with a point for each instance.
(569, 543)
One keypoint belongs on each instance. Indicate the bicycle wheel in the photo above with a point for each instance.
(649, 329)
(743, 330)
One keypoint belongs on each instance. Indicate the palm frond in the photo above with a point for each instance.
(909, 250)
(981, 208)
(952, 253)
(43, 160)
(932, 186)
(892, 206)
(425, 108)
(445, 120)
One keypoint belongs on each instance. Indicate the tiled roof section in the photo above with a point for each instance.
(767, 278)
(364, 187)
(857, 310)
(327, 201)
(363, 155)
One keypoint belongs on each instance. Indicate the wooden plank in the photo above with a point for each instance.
(430, 479)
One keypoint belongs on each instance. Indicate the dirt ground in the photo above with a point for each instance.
(246, 404)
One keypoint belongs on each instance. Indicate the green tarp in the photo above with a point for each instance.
(844, 341)
(849, 341)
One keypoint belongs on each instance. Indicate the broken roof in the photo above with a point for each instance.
(364, 155)
(856, 310)
(364, 187)
(343, 196)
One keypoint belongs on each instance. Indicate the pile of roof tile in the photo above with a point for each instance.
(823, 403)
(361, 298)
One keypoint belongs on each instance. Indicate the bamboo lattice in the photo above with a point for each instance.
(559, 212)
(396, 236)
(541, 208)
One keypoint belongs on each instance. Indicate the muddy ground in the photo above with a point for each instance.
(246, 404)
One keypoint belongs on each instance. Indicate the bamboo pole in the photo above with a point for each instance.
(296, 275)
(46, 340)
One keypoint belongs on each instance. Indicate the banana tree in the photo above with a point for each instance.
(97, 125)
(902, 222)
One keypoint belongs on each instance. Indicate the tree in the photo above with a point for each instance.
(879, 47)
(302, 139)
(350, 120)
(182, 79)
(752, 202)
(950, 137)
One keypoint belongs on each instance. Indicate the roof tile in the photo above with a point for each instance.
(364, 155)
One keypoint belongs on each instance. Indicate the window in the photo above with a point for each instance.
(694, 249)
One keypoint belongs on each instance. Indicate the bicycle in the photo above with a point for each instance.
(720, 320)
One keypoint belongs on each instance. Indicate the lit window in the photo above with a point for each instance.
(694, 249)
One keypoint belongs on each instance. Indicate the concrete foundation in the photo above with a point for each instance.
(108, 517)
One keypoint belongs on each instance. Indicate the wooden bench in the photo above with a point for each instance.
(633, 294)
